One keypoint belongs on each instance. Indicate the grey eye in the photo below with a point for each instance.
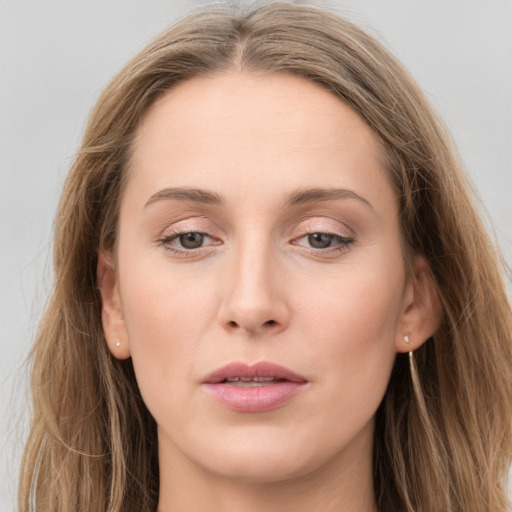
(320, 240)
(191, 240)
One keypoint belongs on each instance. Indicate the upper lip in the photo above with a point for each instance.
(260, 369)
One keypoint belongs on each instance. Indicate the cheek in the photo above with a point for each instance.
(166, 317)
(362, 307)
(354, 320)
(160, 302)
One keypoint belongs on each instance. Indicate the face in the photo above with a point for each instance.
(258, 228)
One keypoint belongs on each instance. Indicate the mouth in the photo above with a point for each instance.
(253, 388)
(247, 382)
(262, 372)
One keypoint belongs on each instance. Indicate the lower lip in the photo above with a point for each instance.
(254, 399)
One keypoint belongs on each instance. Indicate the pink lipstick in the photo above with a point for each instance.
(253, 388)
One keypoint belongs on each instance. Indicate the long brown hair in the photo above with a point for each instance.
(443, 440)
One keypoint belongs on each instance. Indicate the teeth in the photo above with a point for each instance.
(252, 384)
(249, 380)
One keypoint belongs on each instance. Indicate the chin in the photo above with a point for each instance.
(260, 470)
(261, 460)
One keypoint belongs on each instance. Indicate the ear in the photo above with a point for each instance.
(111, 310)
(422, 312)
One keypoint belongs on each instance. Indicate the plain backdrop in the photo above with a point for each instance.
(55, 58)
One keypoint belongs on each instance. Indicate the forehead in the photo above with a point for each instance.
(245, 131)
(267, 102)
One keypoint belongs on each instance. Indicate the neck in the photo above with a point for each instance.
(342, 484)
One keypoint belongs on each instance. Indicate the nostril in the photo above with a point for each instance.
(251, 325)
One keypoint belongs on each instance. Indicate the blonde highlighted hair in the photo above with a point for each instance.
(442, 442)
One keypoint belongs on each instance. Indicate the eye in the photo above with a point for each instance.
(191, 240)
(186, 242)
(320, 240)
(324, 241)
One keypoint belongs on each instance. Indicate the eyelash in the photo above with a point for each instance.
(343, 242)
(168, 239)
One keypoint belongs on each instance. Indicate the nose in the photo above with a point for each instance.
(255, 298)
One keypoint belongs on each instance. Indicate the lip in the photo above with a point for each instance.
(262, 397)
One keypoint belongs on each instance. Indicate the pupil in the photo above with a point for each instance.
(191, 240)
(319, 240)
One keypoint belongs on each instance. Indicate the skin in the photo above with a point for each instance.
(256, 290)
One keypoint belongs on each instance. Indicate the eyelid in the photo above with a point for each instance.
(189, 224)
(195, 224)
(327, 225)
(343, 236)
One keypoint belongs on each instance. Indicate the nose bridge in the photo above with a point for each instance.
(253, 300)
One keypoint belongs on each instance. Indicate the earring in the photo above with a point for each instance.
(118, 343)
(406, 339)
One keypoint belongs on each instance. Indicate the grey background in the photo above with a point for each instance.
(55, 58)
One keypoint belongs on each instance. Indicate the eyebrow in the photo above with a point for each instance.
(196, 195)
(298, 197)
(315, 195)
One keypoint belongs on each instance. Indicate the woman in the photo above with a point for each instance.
(273, 290)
